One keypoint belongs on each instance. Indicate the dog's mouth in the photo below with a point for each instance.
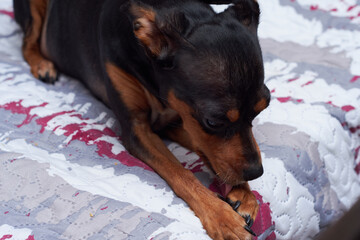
(224, 186)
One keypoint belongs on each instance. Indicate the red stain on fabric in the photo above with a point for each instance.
(284, 99)
(330, 103)
(357, 169)
(354, 79)
(347, 108)
(77, 132)
(43, 122)
(79, 116)
(357, 152)
(293, 79)
(308, 83)
(354, 129)
(10, 14)
(196, 166)
(17, 107)
(263, 219)
(6, 237)
(289, 99)
(314, 7)
(6, 212)
(104, 208)
(351, 8)
(104, 148)
(31, 237)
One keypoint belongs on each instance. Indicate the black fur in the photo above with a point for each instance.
(22, 13)
(211, 61)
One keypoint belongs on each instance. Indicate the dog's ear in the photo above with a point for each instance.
(247, 12)
(160, 33)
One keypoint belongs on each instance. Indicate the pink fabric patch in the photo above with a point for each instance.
(314, 7)
(31, 237)
(354, 79)
(263, 219)
(44, 121)
(293, 79)
(17, 107)
(347, 108)
(357, 169)
(6, 237)
(77, 132)
(351, 8)
(10, 14)
(283, 99)
(308, 83)
(288, 99)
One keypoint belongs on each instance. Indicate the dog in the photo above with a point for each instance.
(167, 68)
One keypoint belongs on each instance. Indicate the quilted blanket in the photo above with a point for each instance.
(64, 173)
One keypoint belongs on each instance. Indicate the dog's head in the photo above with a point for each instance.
(211, 72)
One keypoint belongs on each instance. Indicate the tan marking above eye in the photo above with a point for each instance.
(233, 115)
(260, 105)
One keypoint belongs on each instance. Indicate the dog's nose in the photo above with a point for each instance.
(253, 172)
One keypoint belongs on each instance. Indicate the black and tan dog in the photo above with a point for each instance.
(170, 68)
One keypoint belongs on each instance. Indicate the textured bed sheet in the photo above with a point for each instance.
(65, 175)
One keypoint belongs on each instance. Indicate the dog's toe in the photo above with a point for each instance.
(45, 71)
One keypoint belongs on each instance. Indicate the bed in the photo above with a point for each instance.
(65, 175)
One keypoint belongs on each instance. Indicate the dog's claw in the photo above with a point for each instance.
(236, 205)
(247, 228)
(221, 197)
(248, 220)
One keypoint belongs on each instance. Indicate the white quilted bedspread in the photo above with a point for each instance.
(64, 173)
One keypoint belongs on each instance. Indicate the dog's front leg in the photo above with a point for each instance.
(218, 217)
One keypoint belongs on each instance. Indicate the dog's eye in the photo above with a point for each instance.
(213, 124)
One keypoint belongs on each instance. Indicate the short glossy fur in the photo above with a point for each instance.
(166, 68)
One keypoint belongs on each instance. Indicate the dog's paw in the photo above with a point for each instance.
(244, 202)
(221, 222)
(45, 71)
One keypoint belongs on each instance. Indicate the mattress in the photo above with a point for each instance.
(64, 173)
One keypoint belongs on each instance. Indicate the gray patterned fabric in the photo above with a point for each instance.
(65, 175)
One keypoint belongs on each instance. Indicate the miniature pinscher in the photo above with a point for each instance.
(171, 68)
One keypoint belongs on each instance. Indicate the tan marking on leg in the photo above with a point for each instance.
(249, 205)
(31, 44)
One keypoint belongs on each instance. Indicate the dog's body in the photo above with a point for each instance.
(173, 68)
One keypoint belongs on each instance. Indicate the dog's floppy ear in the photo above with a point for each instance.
(247, 12)
(160, 33)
